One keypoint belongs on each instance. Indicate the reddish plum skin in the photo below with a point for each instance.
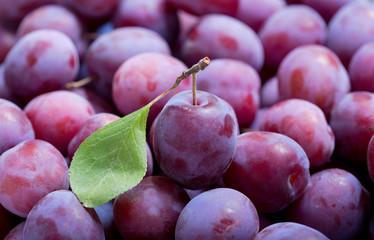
(344, 36)
(182, 139)
(289, 28)
(313, 73)
(209, 38)
(41, 61)
(155, 15)
(16, 233)
(29, 171)
(203, 7)
(57, 116)
(269, 168)
(360, 67)
(334, 203)
(106, 54)
(142, 78)
(53, 17)
(289, 231)
(235, 82)
(221, 213)
(255, 12)
(327, 8)
(93, 123)
(305, 123)
(92, 8)
(269, 93)
(60, 215)
(15, 127)
(150, 210)
(15, 10)
(352, 123)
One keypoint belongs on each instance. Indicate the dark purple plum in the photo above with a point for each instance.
(221, 213)
(15, 126)
(194, 144)
(209, 38)
(41, 61)
(57, 116)
(269, 168)
(150, 210)
(334, 203)
(236, 82)
(28, 172)
(305, 123)
(60, 215)
(289, 231)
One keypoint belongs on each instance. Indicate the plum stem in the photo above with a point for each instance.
(79, 83)
(194, 89)
(201, 65)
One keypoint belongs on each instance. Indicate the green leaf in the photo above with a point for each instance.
(110, 161)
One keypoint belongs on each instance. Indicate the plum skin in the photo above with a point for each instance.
(183, 136)
(270, 168)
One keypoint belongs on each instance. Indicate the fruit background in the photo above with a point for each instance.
(279, 144)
